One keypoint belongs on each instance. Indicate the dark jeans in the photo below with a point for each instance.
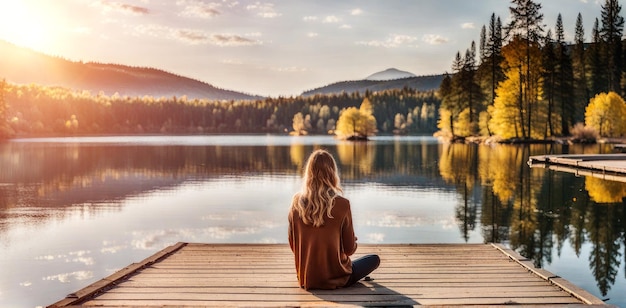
(362, 267)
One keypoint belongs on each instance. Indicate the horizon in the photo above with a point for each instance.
(271, 49)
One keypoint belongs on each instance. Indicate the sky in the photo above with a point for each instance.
(269, 48)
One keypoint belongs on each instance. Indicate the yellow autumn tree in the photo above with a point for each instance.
(298, 124)
(518, 110)
(606, 113)
(355, 122)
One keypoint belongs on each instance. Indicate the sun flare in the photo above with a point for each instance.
(25, 23)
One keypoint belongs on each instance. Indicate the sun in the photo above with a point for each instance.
(25, 23)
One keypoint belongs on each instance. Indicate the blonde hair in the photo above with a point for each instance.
(319, 190)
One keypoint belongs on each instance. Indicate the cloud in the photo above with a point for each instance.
(356, 12)
(312, 34)
(393, 41)
(201, 10)
(434, 39)
(123, 7)
(232, 40)
(67, 277)
(345, 26)
(309, 18)
(197, 37)
(265, 10)
(191, 36)
(468, 25)
(331, 19)
(112, 249)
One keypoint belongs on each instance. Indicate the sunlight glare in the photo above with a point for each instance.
(25, 24)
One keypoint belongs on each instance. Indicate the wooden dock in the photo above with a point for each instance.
(235, 275)
(604, 166)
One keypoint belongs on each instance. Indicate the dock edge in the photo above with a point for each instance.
(561, 283)
(104, 284)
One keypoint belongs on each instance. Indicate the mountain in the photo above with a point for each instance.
(390, 74)
(419, 83)
(24, 66)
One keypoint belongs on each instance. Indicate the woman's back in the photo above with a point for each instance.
(322, 253)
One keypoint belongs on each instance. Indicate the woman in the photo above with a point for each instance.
(321, 234)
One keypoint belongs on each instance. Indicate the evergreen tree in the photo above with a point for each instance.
(526, 20)
(549, 63)
(452, 102)
(483, 50)
(598, 83)
(464, 95)
(564, 85)
(490, 69)
(611, 34)
(579, 68)
(471, 88)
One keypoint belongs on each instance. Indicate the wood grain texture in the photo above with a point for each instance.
(260, 275)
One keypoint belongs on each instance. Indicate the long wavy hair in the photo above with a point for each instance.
(321, 186)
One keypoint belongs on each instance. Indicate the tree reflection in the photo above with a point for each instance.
(604, 259)
(458, 165)
(603, 191)
(536, 211)
(358, 156)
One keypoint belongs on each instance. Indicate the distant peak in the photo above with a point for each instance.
(390, 74)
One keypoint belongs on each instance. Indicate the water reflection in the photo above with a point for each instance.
(156, 192)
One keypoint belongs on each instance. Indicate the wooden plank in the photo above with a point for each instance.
(105, 283)
(576, 291)
(264, 275)
(604, 166)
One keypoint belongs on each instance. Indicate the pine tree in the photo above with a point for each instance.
(483, 50)
(611, 34)
(491, 69)
(471, 88)
(564, 80)
(452, 102)
(598, 83)
(549, 64)
(579, 68)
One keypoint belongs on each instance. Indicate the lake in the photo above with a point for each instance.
(74, 210)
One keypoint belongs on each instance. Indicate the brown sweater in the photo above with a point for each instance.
(322, 253)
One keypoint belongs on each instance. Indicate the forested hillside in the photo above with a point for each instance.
(419, 83)
(525, 82)
(24, 66)
(33, 110)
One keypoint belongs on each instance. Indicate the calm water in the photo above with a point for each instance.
(75, 210)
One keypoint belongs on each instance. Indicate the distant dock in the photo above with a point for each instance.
(605, 166)
(262, 275)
